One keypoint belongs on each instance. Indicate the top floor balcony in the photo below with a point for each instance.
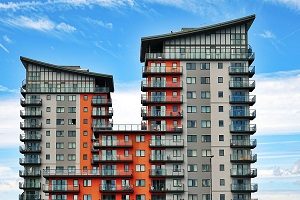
(30, 102)
(166, 70)
(242, 70)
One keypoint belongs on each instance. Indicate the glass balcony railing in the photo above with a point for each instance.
(30, 149)
(243, 173)
(112, 143)
(36, 125)
(146, 99)
(30, 102)
(242, 70)
(29, 137)
(103, 113)
(162, 70)
(92, 173)
(29, 173)
(24, 196)
(112, 158)
(24, 113)
(116, 188)
(243, 113)
(247, 128)
(243, 143)
(167, 143)
(29, 185)
(61, 188)
(244, 187)
(28, 89)
(32, 161)
(166, 188)
(242, 85)
(145, 113)
(103, 127)
(166, 173)
(154, 84)
(166, 158)
(243, 158)
(249, 99)
(101, 102)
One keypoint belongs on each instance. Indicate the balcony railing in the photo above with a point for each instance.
(243, 143)
(167, 143)
(244, 187)
(24, 196)
(243, 113)
(28, 149)
(116, 188)
(101, 102)
(30, 102)
(61, 188)
(24, 125)
(29, 173)
(161, 70)
(166, 158)
(166, 173)
(112, 143)
(25, 114)
(248, 128)
(161, 85)
(103, 127)
(242, 70)
(242, 85)
(249, 99)
(103, 113)
(243, 158)
(28, 89)
(33, 161)
(166, 188)
(243, 173)
(147, 99)
(29, 186)
(113, 158)
(85, 173)
(160, 113)
(30, 137)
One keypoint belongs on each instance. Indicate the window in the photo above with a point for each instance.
(206, 152)
(192, 183)
(140, 197)
(87, 197)
(71, 133)
(190, 66)
(205, 196)
(174, 80)
(191, 153)
(60, 109)
(59, 145)
(221, 137)
(85, 97)
(206, 168)
(204, 80)
(220, 94)
(60, 98)
(176, 153)
(126, 153)
(47, 144)
(222, 182)
(71, 109)
(47, 156)
(48, 109)
(221, 109)
(206, 138)
(192, 109)
(140, 153)
(47, 133)
(205, 124)
(191, 80)
(85, 121)
(205, 182)
(72, 121)
(220, 79)
(59, 157)
(205, 109)
(87, 183)
(221, 152)
(140, 138)
(47, 121)
(85, 109)
(192, 138)
(71, 157)
(140, 168)
(59, 133)
(48, 97)
(221, 123)
(204, 66)
(191, 123)
(220, 65)
(85, 133)
(222, 167)
(140, 183)
(72, 98)
(191, 95)
(72, 145)
(85, 145)
(60, 121)
(192, 168)
(177, 183)
(192, 197)
(205, 94)
(222, 196)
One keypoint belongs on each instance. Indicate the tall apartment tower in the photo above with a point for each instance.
(196, 124)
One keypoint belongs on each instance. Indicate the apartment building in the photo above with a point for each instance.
(194, 141)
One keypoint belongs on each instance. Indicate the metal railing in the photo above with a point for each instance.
(29, 173)
(30, 125)
(123, 158)
(161, 99)
(115, 188)
(30, 161)
(166, 172)
(241, 69)
(24, 101)
(243, 128)
(243, 158)
(167, 188)
(100, 113)
(61, 188)
(242, 84)
(242, 99)
(162, 84)
(244, 172)
(101, 101)
(79, 172)
(162, 70)
(243, 143)
(36, 136)
(166, 158)
(243, 113)
(30, 149)
(244, 187)
(160, 113)
(112, 143)
(167, 143)
(27, 113)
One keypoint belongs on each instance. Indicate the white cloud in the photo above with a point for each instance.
(268, 34)
(4, 48)
(65, 27)
(293, 4)
(107, 25)
(6, 39)
(277, 172)
(9, 180)
(276, 195)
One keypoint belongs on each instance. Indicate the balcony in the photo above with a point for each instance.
(101, 102)
(112, 143)
(240, 129)
(249, 99)
(242, 70)
(33, 149)
(103, 113)
(114, 158)
(167, 143)
(36, 90)
(244, 187)
(116, 188)
(103, 127)
(161, 188)
(36, 125)
(148, 99)
(157, 173)
(29, 173)
(243, 158)
(148, 70)
(30, 137)
(166, 158)
(28, 161)
(243, 113)
(24, 196)
(147, 114)
(153, 85)
(61, 188)
(243, 143)
(249, 85)
(30, 102)
(86, 173)
(26, 114)
(247, 173)
(29, 186)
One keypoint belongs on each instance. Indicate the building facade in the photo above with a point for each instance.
(194, 141)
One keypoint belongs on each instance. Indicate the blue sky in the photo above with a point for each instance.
(104, 36)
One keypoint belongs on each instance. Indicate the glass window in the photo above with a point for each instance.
(221, 137)
(205, 182)
(191, 109)
(221, 152)
(192, 153)
(205, 124)
(60, 98)
(191, 123)
(206, 138)
(204, 80)
(220, 79)
(204, 66)
(191, 95)
(191, 80)
(205, 94)
(220, 65)
(205, 109)
(220, 94)
(222, 167)
(72, 97)
(190, 66)
(192, 138)
(221, 109)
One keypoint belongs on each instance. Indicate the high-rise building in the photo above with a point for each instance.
(194, 141)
